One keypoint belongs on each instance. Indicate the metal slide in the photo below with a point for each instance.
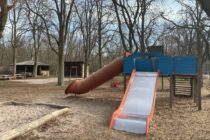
(137, 106)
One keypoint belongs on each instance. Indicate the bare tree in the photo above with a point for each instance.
(36, 26)
(129, 16)
(87, 23)
(4, 14)
(72, 43)
(183, 40)
(132, 17)
(104, 33)
(62, 10)
(17, 30)
(99, 5)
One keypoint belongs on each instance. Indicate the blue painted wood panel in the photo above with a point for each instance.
(166, 65)
(185, 65)
(145, 65)
(182, 65)
(128, 65)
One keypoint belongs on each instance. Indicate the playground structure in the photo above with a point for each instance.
(182, 70)
(137, 106)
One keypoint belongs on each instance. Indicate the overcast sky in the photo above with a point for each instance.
(170, 8)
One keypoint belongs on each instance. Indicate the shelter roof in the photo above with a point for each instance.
(31, 63)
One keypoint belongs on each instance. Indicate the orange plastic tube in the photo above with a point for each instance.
(96, 79)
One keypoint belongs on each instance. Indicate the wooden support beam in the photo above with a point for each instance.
(191, 84)
(14, 133)
(171, 91)
(199, 84)
(174, 84)
(125, 84)
(194, 90)
(57, 106)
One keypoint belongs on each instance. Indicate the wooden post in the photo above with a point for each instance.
(209, 81)
(199, 92)
(83, 70)
(25, 71)
(171, 91)
(174, 85)
(125, 85)
(191, 86)
(194, 90)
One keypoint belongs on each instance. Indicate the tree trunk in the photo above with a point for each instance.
(3, 15)
(99, 43)
(199, 76)
(199, 85)
(14, 42)
(35, 63)
(61, 64)
(85, 63)
(200, 56)
(2, 53)
(119, 26)
(99, 14)
(142, 26)
(100, 56)
(205, 4)
(36, 49)
(14, 60)
(60, 69)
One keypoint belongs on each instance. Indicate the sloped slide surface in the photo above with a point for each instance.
(137, 106)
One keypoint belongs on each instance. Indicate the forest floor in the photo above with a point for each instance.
(39, 81)
(90, 113)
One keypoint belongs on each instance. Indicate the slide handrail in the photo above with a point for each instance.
(118, 111)
(149, 118)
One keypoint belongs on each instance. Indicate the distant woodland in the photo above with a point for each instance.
(97, 31)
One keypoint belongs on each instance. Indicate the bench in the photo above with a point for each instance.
(5, 77)
(19, 76)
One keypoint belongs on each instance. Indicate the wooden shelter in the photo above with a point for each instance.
(26, 68)
(75, 69)
(155, 49)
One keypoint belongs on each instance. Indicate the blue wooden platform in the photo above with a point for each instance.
(166, 65)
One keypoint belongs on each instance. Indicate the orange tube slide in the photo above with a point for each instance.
(96, 79)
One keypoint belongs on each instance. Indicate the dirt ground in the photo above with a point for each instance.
(14, 116)
(90, 113)
(39, 81)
